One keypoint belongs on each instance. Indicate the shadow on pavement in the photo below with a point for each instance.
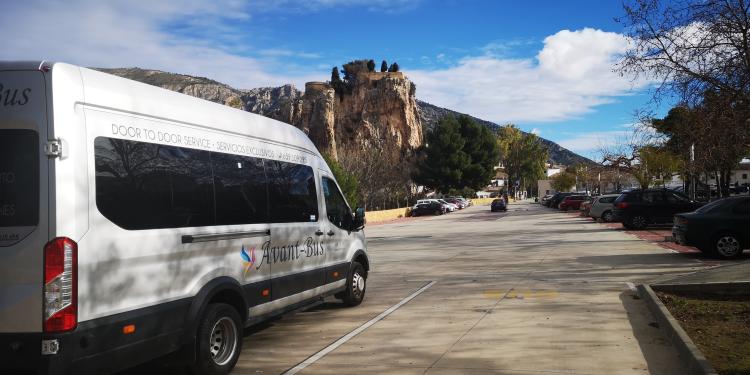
(661, 357)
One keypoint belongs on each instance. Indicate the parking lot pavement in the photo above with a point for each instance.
(527, 291)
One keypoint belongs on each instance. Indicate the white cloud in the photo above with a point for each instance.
(279, 52)
(570, 76)
(133, 33)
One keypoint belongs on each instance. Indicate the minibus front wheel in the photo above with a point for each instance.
(356, 285)
(219, 340)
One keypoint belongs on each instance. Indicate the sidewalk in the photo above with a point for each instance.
(726, 273)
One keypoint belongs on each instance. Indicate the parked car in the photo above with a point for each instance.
(586, 206)
(719, 228)
(571, 202)
(498, 205)
(557, 198)
(601, 207)
(451, 206)
(466, 201)
(428, 208)
(459, 203)
(544, 199)
(639, 208)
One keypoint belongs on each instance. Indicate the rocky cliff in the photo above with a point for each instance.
(380, 111)
(377, 109)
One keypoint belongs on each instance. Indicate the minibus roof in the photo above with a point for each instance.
(116, 93)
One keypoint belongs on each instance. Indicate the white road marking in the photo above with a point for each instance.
(315, 357)
(631, 286)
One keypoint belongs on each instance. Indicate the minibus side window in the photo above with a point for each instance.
(240, 186)
(147, 186)
(291, 192)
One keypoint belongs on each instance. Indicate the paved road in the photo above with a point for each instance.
(528, 291)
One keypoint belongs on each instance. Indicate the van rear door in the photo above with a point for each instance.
(23, 198)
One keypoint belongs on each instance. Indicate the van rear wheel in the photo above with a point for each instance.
(356, 285)
(219, 341)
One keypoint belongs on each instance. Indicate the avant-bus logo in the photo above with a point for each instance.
(248, 259)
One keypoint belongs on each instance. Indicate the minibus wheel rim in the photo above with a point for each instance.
(223, 341)
(358, 285)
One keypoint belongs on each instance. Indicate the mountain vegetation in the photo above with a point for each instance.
(432, 114)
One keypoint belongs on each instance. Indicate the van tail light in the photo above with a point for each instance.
(622, 205)
(60, 285)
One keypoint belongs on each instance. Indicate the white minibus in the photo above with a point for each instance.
(137, 222)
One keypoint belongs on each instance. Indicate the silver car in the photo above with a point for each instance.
(602, 207)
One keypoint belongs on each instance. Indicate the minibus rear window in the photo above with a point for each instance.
(19, 178)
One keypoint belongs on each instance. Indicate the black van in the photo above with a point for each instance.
(639, 208)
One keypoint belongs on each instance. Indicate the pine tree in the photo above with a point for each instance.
(443, 159)
(384, 66)
(371, 65)
(394, 67)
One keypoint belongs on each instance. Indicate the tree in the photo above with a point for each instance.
(708, 138)
(563, 181)
(394, 67)
(483, 151)
(522, 155)
(690, 46)
(443, 159)
(336, 81)
(370, 65)
(383, 67)
(347, 181)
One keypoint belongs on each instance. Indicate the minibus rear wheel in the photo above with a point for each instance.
(356, 285)
(219, 340)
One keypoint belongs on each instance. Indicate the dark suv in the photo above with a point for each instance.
(637, 209)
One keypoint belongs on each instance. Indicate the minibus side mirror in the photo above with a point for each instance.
(359, 219)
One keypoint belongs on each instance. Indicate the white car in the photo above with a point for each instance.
(138, 222)
(449, 207)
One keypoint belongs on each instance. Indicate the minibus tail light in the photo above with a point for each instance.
(60, 285)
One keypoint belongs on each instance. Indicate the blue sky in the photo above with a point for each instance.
(544, 65)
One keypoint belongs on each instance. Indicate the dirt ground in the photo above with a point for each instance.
(719, 326)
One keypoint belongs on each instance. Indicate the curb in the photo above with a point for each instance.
(714, 288)
(695, 360)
